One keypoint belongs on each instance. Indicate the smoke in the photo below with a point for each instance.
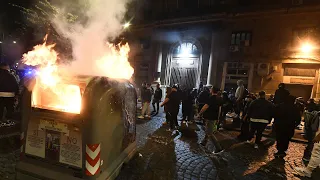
(97, 21)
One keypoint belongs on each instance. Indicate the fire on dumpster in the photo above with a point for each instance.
(67, 118)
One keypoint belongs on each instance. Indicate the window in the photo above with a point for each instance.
(241, 38)
(186, 49)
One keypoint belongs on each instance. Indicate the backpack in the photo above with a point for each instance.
(245, 93)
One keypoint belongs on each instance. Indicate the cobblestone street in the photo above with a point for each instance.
(162, 155)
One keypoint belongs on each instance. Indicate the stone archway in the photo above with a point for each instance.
(184, 64)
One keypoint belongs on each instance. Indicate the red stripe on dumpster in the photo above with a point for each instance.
(92, 159)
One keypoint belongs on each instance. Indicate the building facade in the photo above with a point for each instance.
(262, 42)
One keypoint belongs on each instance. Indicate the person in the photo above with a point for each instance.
(285, 118)
(271, 98)
(156, 99)
(314, 160)
(172, 103)
(200, 89)
(310, 129)
(146, 96)
(168, 91)
(202, 98)
(260, 113)
(9, 89)
(226, 107)
(211, 112)
(239, 97)
(311, 106)
(281, 94)
(245, 126)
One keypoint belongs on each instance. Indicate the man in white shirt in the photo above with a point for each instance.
(239, 95)
(314, 160)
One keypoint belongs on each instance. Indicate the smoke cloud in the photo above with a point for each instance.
(97, 21)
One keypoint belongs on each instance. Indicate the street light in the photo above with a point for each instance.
(14, 42)
(306, 48)
(0, 42)
(126, 25)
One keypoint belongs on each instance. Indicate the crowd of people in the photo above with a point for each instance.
(250, 111)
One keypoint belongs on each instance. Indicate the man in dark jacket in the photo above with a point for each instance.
(260, 113)
(156, 99)
(286, 116)
(172, 103)
(8, 90)
(281, 94)
(146, 96)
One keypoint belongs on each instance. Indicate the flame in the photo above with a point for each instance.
(116, 64)
(51, 91)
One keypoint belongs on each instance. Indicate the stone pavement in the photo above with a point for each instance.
(162, 155)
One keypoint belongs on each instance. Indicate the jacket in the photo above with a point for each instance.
(280, 95)
(286, 116)
(158, 94)
(146, 95)
(261, 110)
(8, 84)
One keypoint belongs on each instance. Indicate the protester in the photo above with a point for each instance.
(146, 96)
(310, 129)
(286, 116)
(187, 106)
(156, 99)
(281, 94)
(271, 98)
(260, 113)
(168, 91)
(314, 160)
(211, 112)
(226, 107)
(200, 87)
(239, 95)
(202, 98)
(9, 89)
(311, 106)
(172, 103)
(245, 126)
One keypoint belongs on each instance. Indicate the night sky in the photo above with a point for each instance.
(11, 17)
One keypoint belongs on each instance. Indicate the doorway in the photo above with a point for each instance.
(184, 65)
(300, 90)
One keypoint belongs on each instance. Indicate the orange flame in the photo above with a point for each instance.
(52, 92)
(116, 64)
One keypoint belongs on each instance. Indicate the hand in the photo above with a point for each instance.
(317, 139)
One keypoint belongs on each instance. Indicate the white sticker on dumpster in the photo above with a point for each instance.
(71, 149)
(35, 141)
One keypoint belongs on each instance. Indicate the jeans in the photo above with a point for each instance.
(309, 136)
(315, 157)
(154, 103)
(146, 109)
(8, 103)
(257, 128)
(172, 117)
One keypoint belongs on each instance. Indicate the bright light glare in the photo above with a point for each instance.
(306, 48)
(126, 25)
(0, 42)
(185, 51)
(14, 42)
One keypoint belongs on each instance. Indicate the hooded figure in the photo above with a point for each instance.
(281, 94)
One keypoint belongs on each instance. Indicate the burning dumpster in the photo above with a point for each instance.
(83, 129)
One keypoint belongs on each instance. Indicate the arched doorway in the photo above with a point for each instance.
(184, 64)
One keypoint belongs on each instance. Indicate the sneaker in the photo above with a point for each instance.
(248, 142)
(306, 159)
(256, 146)
(304, 172)
(164, 123)
(140, 117)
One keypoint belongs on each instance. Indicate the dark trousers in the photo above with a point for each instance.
(309, 136)
(257, 128)
(283, 137)
(245, 131)
(8, 103)
(154, 103)
(172, 117)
